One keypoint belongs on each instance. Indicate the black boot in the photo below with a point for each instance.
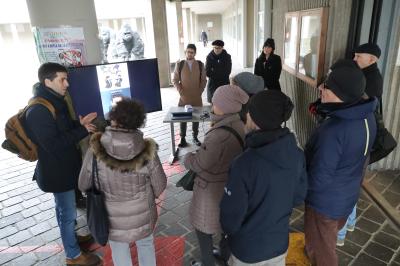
(196, 141)
(182, 143)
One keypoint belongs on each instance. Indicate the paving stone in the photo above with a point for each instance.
(51, 235)
(8, 256)
(385, 177)
(30, 211)
(343, 258)
(42, 255)
(12, 201)
(46, 197)
(32, 243)
(388, 228)
(30, 203)
(373, 214)
(40, 228)
(378, 251)
(50, 204)
(26, 223)
(367, 225)
(378, 186)
(45, 215)
(295, 214)
(56, 259)
(25, 260)
(387, 240)
(19, 237)
(182, 210)
(160, 228)
(32, 194)
(397, 258)
(11, 219)
(4, 244)
(169, 218)
(3, 196)
(392, 198)
(350, 248)
(366, 260)
(395, 186)
(184, 196)
(7, 231)
(25, 191)
(393, 263)
(298, 225)
(11, 210)
(170, 203)
(186, 222)
(175, 230)
(358, 237)
(362, 204)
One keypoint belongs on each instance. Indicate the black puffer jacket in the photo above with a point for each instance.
(218, 68)
(270, 70)
(59, 163)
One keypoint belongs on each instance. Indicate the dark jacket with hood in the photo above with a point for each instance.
(270, 70)
(59, 158)
(374, 80)
(131, 177)
(218, 68)
(265, 183)
(336, 153)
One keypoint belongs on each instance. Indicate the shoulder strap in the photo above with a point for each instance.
(180, 67)
(234, 132)
(200, 67)
(44, 102)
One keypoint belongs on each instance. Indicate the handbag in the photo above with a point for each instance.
(384, 142)
(97, 216)
(187, 180)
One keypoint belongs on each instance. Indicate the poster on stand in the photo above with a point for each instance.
(63, 45)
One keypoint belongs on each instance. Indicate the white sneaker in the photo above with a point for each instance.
(340, 242)
(350, 228)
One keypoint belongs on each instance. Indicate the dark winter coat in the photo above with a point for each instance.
(336, 153)
(374, 80)
(218, 68)
(59, 162)
(265, 183)
(131, 177)
(269, 70)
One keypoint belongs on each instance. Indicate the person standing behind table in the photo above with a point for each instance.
(59, 158)
(336, 154)
(269, 66)
(366, 57)
(265, 183)
(211, 163)
(190, 80)
(218, 68)
(131, 177)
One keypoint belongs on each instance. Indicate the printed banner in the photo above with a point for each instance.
(64, 45)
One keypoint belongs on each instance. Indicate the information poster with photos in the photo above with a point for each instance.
(113, 83)
(64, 45)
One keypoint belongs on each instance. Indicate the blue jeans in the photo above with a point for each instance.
(66, 216)
(121, 253)
(351, 220)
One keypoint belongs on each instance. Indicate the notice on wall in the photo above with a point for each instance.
(63, 45)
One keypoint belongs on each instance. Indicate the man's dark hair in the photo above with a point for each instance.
(191, 46)
(128, 113)
(49, 71)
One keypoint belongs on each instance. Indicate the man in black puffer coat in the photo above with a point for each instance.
(218, 68)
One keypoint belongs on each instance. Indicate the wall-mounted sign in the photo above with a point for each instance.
(64, 45)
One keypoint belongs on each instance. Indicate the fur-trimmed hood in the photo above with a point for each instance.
(123, 150)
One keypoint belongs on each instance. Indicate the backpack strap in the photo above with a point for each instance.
(42, 101)
(200, 67)
(180, 67)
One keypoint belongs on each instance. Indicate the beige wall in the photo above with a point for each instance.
(213, 33)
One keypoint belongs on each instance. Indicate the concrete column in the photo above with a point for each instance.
(159, 14)
(189, 25)
(74, 13)
(249, 33)
(180, 28)
(195, 37)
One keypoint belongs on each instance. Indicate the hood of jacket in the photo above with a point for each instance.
(272, 145)
(358, 111)
(123, 150)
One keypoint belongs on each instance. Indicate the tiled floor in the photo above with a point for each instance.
(29, 234)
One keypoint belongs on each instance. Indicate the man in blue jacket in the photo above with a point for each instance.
(59, 160)
(336, 153)
(265, 183)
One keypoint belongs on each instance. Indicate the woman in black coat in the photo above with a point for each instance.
(269, 66)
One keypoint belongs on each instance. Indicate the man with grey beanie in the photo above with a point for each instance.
(336, 154)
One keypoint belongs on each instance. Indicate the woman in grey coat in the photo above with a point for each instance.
(211, 164)
(131, 177)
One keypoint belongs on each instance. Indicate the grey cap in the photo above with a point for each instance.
(249, 82)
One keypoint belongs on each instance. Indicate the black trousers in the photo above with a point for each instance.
(206, 248)
(195, 129)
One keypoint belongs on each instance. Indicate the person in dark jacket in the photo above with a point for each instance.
(269, 66)
(366, 57)
(265, 183)
(336, 154)
(218, 68)
(59, 160)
